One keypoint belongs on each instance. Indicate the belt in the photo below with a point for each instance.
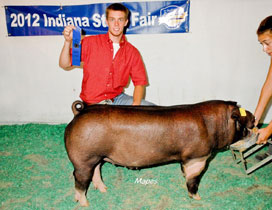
(107, 101)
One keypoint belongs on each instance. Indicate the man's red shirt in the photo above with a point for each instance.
(105, 77)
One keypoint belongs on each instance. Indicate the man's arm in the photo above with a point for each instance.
(138, 94)
(65, 57)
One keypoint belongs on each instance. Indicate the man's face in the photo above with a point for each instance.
(265, 39)
(116, 22)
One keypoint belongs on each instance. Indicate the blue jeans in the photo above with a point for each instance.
(124, 99)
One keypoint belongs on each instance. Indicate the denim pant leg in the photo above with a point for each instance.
(124, 99)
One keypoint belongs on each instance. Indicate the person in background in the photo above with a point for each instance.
(264, 33)
(109, 60)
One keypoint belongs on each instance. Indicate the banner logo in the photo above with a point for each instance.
(172, 16)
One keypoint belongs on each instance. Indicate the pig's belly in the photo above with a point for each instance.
(140, 159)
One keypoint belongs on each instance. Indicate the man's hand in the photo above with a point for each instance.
(68, 33)
(65, 59)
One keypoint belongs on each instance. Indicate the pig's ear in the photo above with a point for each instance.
(235, 115)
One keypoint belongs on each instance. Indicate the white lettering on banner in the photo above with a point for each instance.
(143, 20)
(32, 20)
(148, 20)
(62, 21)
(134, 18)
(19, 20)
(99, 20)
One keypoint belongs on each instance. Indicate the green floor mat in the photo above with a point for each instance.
(35, 173)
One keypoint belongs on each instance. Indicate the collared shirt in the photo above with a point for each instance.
(105, 77)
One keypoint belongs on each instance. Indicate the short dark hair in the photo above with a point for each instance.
(117, 7)
(265, 25)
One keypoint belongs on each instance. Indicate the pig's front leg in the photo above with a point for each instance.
(192, 171)
(97, 181)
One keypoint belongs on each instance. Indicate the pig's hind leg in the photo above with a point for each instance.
(83, 172)
(192, 171)
(97, 180)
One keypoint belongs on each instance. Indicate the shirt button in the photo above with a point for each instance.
(108, 85)
(110, 73)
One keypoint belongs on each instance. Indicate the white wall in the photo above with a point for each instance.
(219, 59)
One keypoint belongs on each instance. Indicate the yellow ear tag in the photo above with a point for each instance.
(242, 112)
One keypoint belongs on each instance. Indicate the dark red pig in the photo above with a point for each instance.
(142, 136)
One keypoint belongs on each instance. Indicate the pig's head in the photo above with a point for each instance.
(244, 120)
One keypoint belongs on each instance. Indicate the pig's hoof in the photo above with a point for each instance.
(83, 202)
(101, 187)
(82, 199)
(195, 196)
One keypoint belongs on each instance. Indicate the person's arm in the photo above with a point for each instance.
(138, 94)
(65, 57)
(264, 98)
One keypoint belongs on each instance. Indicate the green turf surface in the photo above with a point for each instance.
(35, 173)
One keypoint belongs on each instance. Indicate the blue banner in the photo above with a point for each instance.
(145, 17)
